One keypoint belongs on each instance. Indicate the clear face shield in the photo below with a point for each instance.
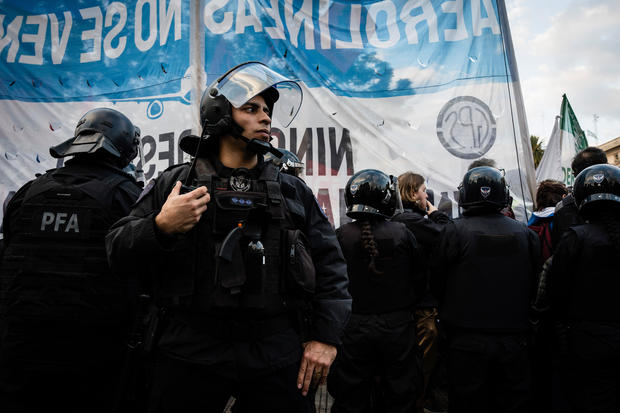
(394, 187)
(247, 80)
(137, 171)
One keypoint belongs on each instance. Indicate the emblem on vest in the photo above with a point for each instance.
(240, 180)
(485, 191)
(60, 222)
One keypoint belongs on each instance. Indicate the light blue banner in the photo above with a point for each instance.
(361, 48)
(93, 50)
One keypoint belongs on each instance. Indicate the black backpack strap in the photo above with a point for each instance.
(269, 176)
(205, 172)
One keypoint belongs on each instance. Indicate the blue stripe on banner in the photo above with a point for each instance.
(93, 50)
(139, 49)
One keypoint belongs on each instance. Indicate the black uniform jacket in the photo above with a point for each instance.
(135, 240)
(565, 216)
(483, 271)
(426, 232)
(400, 283)
(584, 280)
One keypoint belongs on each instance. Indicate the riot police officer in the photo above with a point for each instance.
(482, 273)
(584, 283)
(566, 211)
(385, 281)
(64, 312)
(233, 256)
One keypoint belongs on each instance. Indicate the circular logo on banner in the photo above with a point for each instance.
(466, 128)
(155, 109)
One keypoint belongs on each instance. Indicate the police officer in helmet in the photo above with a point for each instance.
(386, 283)
(64, 313)
(584, 285)
(236, 250)
(482, 273)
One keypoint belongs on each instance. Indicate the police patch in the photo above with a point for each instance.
(240, 180)
(598, 178)
(485, 191)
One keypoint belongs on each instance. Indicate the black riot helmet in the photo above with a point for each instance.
(102, 129)
(484, 186)
(371, 193)
(289, 162)
(597, 185)
(235, 88)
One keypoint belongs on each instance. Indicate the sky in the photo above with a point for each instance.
(572, 47)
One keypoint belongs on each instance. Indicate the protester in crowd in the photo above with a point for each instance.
(548, 194)
(64, 314)
(425, 222)
(566, 212)
(237, 316)
(584, 287)
(483, 271)
(379, 349)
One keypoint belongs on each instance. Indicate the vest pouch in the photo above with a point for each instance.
(233, 207)
(299, 268)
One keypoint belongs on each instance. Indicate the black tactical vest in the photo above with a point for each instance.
(489, 288)
(241, 253)
(596, 282)
(55, 266)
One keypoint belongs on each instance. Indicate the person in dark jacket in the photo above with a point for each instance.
(548, 194)
(583, 284)
(386, 282)
(566, 211)
(234, 256)
(425, 222)
(482, 274)
(64, 313)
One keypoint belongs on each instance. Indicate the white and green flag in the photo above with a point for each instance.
(567, 138)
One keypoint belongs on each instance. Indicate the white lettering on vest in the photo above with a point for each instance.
(60, 220)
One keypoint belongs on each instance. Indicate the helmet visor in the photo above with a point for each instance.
(250, 79)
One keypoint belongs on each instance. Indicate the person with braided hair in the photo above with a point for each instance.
(584, 284)
(386, 283)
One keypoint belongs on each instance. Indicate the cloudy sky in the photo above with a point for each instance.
(572, 47)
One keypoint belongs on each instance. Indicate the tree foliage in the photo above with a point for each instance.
(537, 149)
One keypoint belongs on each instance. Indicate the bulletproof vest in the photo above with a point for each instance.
(596, 282)
(245, 232)
(56, 265)
(489, 286)
(395, 288)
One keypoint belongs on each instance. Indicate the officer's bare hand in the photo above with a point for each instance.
(315, 363)
(181, 212)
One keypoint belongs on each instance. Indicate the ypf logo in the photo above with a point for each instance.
(466, 127)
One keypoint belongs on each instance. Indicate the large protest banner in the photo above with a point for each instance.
(422, 85)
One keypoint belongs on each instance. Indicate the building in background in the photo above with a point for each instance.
(612, 150)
